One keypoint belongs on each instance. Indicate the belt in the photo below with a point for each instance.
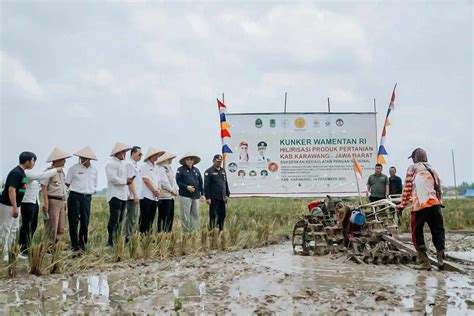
(60, 198)
(80, 194)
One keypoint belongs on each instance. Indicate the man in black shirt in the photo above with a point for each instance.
(394, 182)
(10, 200)
(216, 191)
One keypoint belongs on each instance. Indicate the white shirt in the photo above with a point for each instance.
(33, 185)
(133, 169)
(116, 180)
(82, 179)
(149, 171)
(167, 182)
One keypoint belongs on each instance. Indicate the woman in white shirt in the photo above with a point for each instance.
(169, 189)
(150, 190)
(30, 205)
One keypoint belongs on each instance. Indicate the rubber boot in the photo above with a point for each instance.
(440, 256)
(424, 262)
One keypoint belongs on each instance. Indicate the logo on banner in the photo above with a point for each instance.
(258, 123)
(339, 122)
(327, 122)
(272, 122)
(316, 122)
(285, 123)
(300, 122)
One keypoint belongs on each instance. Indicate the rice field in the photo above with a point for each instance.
(250, 222)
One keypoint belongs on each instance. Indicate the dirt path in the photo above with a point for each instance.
(262, 280)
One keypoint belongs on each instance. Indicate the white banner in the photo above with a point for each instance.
(299, 154)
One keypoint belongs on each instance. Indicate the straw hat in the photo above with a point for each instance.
(119, 147)
(190, 155)
(86, 152)
(153, 151)
(58, 154)
(165, 156)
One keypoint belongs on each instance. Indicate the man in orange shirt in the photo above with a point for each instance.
(422, 185)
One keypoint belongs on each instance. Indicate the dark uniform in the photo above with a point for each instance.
(216, 189)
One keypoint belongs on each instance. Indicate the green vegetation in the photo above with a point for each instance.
(250, 222)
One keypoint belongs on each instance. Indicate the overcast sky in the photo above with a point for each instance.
(147, 73)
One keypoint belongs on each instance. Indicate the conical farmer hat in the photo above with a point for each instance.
(86, 152)
(190, 155)
(58, 154)
(153, 151)
(165, 157)
(119, 147)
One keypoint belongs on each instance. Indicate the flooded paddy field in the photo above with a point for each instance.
(263, 280)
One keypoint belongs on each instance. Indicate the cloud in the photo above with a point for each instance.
(78, 111)
(16, 76)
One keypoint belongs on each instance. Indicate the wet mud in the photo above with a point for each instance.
(259, 281)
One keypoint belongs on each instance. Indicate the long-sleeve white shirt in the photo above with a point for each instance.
(116, 180)
(82, 179)
(133, 169)
(169, 188)
(149, 171)
(33, 185)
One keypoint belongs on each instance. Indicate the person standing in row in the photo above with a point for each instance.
(30, 206)
(117, 190)
(169, 190)
(150, 189)
(134, 190)
(395, 185)
(82, 182)
(54, 196)
(377, 185)
(423, 186)
(11, 199)
(190, 184)
(216, 191)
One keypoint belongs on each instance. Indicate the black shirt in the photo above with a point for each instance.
(395, 185)
(215, 184)
(17, 179)
(189, 176)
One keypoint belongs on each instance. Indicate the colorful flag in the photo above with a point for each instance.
(357, 168)
(224, 129)
(382, 151)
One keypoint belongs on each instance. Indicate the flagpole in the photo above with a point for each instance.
(376, 133)
(329, 106)
(358, 188)
(284, 108)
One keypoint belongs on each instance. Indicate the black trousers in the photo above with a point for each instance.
(79, 210)
(216, 214)
(147, 215)
(165, 215)
(374, 198)
(29, 222)
(433, 217)
(117, 211)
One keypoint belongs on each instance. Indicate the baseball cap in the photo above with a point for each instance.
(217, 157)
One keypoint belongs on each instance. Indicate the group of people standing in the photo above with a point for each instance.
(135, 189)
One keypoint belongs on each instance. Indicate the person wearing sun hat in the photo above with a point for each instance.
(82, 182)
(190, 184)
(54, 196)
(150, 189)
(169, 190)
(117, 189)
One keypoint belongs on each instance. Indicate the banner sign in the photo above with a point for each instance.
(299, 154)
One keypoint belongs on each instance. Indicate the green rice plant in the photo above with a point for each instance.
(215, 239)
(204, 237)
(57, 257)
(134, 246)
(37, 251)
(119, 248)
(13, 253)
(147, 245)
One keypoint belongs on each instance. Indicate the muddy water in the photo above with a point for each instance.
(264, 280)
